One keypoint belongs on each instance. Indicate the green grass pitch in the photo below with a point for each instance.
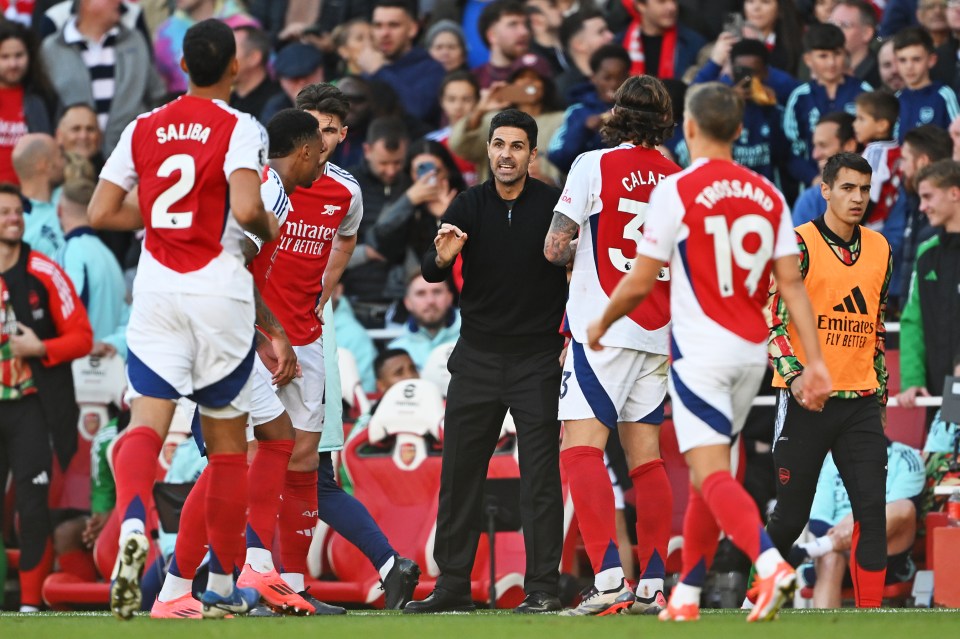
(842, 624)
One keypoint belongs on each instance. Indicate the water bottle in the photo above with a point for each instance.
(953, 510)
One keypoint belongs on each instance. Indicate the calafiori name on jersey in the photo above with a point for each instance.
(192, 131)
(722, 189)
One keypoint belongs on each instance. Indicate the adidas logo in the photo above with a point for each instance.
(853, 303)
(41, 479)
(282, 589)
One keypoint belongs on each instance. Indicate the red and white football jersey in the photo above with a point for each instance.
(182, 155)
(721, 226)
(607, 194)
(289, 271)
(884, 159)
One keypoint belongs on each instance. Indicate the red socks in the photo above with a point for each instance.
(226, 510)
(735, 511)
(298, 518)
(31, 579)
(135, 468)
(701, 534)
(267, 475)
(867, 584)
(78, 563)
(192, 536)
(593, 502)
(654, 502)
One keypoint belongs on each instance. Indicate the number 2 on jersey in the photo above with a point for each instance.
(728, 249)
(160, 215)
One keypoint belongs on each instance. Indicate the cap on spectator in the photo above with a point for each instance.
(443, 26)
(297, 60)
(532, 62)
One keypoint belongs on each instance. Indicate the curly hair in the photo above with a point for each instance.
(642, 113)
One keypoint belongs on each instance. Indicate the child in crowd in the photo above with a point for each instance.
(459, 94)
(922, 101)
(874, 126)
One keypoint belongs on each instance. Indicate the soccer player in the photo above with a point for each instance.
(846, 269)
(622, 388)
(295, 153)
(198, 165)
(723, 228)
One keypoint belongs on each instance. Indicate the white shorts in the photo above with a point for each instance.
(613, 385)
(710, 405)
(303, 398)
(196, 346)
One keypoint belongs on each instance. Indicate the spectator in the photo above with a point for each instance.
(945, 69)
(858, 22)
(168, 38)
(531, 80)
(84, 66)
(394, 60)
(830, 90)
(822, 10)
(833, 134)
(79, 134)
(382, 180)
(296, 66)
(897, 15)
(545, 18)
(360, 94)
(253, 87)
(887, 62)
(929, 335)
(459, 95)
(580, 131)
(406, 228)
(779, 28)
(657, 44)
(42, 329)
(718, 67)
(873, 126)
(26, 97)
(433, 319)
(581, 34)
(39, 164)
(353, 337)
(932, 18)
(55, 17)
(349, 41)
(831, 517)
(94, 271)
(446, 45)
(390, 367)
(503, 28)
(922, 101)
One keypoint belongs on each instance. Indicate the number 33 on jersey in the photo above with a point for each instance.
(607, 194)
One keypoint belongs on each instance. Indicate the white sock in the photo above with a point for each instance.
(174, 587)
(819, 546)
(260, 559)
(220, 584)
(294, 580)
(129, 527)
(29, 609)
(684, 594)
(647, 588)
(385, 569)
(767, 562)
(608, 579)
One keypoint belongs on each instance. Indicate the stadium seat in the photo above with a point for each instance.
(350, 386)
(435, 368)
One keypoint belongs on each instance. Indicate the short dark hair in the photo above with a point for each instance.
(609, 52)
(76, 105)
(461, 75)
(324, 98)
(750, 47)
(844, 122)
(290, 129)
(943, 174)
(518, 120)
(208, 49)
(867, 15)
(880, 105)
(912, 36)
(390, 130)
(495, 10)
(931, 141)
(257, 40)
(406, 5)
(573, 24)
(716, 108)
(9, 188)
(823, 37)
(642, 113)
(387, 354)
(844, 160)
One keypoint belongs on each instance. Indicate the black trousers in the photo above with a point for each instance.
(851, 429)
(483, 386)
(25, 449)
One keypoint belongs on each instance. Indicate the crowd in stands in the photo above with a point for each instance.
(424, 80)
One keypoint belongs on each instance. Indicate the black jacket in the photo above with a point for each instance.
(513, 298)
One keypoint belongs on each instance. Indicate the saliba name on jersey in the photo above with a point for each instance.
(192, 131)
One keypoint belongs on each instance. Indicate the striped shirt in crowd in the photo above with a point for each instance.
(100, 59)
